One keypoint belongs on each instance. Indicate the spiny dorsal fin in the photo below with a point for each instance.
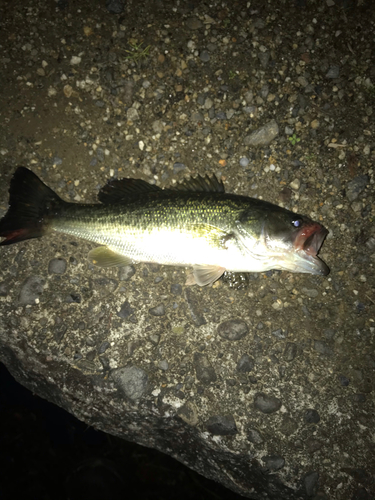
(200, 184)
(120, 190)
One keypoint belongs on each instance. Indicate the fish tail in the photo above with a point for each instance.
(31, 204)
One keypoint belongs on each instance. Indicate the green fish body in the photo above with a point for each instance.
(194, 224)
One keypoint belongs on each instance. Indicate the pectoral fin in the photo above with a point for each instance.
(204, 275)
(104, 257)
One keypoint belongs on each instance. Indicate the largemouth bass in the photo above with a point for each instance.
(193, 224)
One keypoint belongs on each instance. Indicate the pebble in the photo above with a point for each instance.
(157, 310)
(131, 380)
(194, 306)
(310, 482)
(163, 365)
(273, 462)
(254, 436)
(245, 364)
(355, 187)
(178, 167)
(31, 290)
(295, 184)
(57, 266)
(244, 162)
(204, 56)
(204, 371)
(126, 310)
(311, 416)
(132, 114)
(75, 60)
(221, 425)
(193, 23)
(290, 351)
(263, 136)
(333, 72)
(233, 329)
(266, 403)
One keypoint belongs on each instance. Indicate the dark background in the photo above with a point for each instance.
(47, 454)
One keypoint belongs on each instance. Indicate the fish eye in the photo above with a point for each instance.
(297, 222)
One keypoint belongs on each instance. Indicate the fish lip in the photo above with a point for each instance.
(310, 238)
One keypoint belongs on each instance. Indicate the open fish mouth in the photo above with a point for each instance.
(310, 238)
(307, 245)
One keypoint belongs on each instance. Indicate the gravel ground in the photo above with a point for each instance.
(277, 98)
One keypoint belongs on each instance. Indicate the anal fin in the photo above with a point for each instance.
(104, 257)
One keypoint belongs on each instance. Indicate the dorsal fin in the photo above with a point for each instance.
(119, 190)
(200, 184)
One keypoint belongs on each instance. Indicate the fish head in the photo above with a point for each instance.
(290, 241)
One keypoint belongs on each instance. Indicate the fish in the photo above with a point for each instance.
(194, 224)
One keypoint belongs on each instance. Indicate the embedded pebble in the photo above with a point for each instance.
(222, 425)
(263, 136)
(273, 462)
(355, 187)
(295, 184)
(204, 371)
(158, 310)
(254, 436)
(245, 364)
(311, 416)
(31, 290)
(233, 329)
(131, 380)
(266, 403)
(57, 266)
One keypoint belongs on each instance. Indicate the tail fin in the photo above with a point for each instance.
(30, 205)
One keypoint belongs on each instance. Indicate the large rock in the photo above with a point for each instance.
(242, 392)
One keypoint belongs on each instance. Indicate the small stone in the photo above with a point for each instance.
(314, 124)
(176, 289)
(126, 311)
(75, 60)
(311, 416)
(263, 136)
(208, 103)
(310, 482)
(131, 380)
(193, 23)
(244, 162)
(115, 6)
(266, 403)
(132, 114)
(178, 167)
(204, 56)
(355, 187)
(273, 462)
(333, 72)
(295, 184)
(222, 425)
(57, 266)
(245, 364)
(344, 381)
(31, 290)
(233, 329)
(203, 369)
(290, 351)
(323, 348)
(157, 126)
(163, 364)
(126, 272)
(157, 310)
(254, 436)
